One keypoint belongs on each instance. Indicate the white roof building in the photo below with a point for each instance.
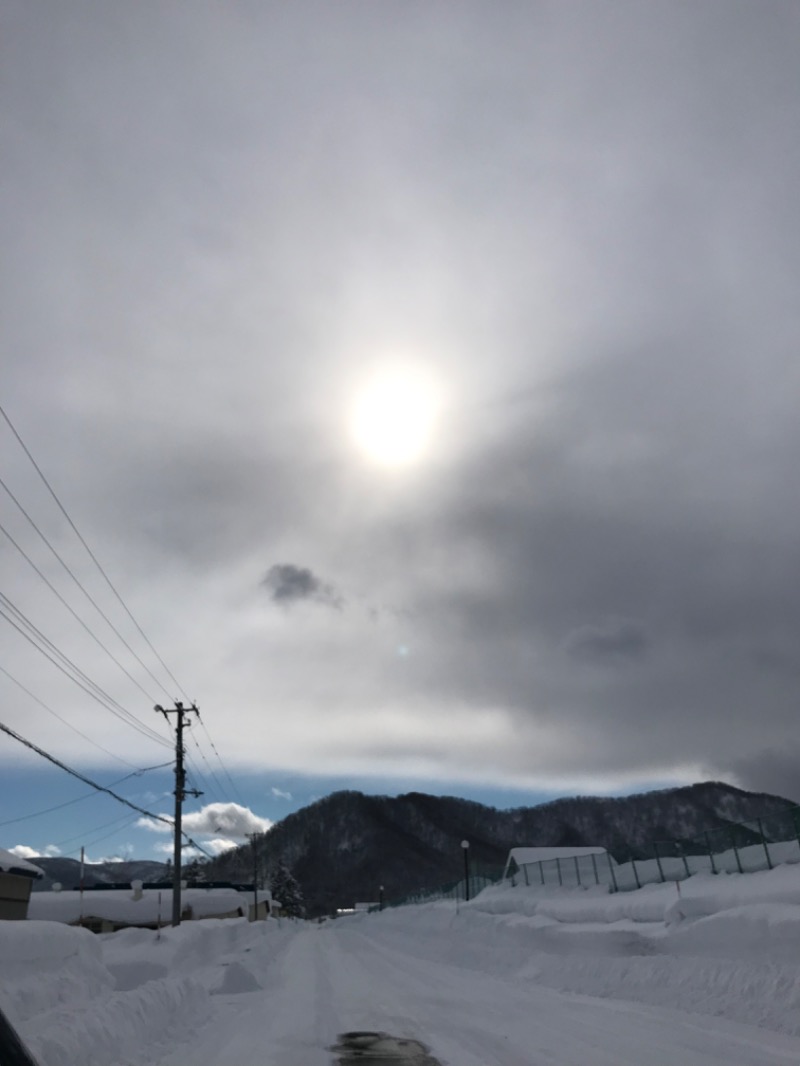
(12, 864)
(117, 908)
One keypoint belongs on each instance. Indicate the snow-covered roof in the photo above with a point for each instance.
(119, 904)
(12, 864)
(522, 856)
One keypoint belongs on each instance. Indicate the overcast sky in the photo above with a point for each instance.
(569, 231)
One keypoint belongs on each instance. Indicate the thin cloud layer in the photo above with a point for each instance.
(583, 221)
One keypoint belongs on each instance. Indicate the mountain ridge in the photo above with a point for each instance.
(343, 847)
(59, 869)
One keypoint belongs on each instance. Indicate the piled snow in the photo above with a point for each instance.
(82, 999)
(238, 979)
(114, 1029)
(724, 946)
(43, 966)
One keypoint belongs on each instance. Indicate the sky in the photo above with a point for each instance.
(423, 379)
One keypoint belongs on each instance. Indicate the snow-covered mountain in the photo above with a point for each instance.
(343, 847)
(67, 872)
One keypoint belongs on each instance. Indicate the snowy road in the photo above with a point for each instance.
(343, 976)
(706, 978)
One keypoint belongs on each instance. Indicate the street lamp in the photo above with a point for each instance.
(465, 846)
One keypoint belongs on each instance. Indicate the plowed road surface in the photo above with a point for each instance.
(341, 976)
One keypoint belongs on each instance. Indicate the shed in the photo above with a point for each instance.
(16, 877)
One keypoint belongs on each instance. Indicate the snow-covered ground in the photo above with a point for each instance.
(517, 977)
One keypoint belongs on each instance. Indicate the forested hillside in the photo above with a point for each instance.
(342, 848)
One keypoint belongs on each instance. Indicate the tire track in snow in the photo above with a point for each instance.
(480, 1019)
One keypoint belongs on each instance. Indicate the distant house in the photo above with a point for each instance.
(107, 910)
(16, 877)
(563, 866)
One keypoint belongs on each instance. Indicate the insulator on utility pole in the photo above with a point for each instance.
(181, 792)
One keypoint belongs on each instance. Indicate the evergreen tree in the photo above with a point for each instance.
(194, 871)
(287, 892)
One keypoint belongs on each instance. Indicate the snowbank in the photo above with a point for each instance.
(698, 896)
(118, 1026)
(43, 966)
(724, 945)
(79, 998)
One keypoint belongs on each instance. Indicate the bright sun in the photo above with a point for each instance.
(394, 416)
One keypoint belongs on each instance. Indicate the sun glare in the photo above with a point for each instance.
(394, 416)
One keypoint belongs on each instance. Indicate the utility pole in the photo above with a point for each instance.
(252, 838)
(465, 846)
(181, 792)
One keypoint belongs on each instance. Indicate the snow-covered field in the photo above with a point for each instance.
(517, 977)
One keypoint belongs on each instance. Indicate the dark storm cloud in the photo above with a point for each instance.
(616, 640)
(287, 583)
(773, 771)
(661, 492)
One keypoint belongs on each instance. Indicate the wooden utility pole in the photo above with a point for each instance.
(181, 792)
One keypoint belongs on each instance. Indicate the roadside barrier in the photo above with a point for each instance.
(742, 847)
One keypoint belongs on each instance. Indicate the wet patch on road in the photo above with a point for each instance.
(381, 1049)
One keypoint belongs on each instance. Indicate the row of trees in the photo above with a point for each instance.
(282, 883)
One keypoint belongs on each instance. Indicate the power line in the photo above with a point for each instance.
(93, 784)
(82, 680)
(222, 764)
(75, 614)
(79, 799)
(97, 840)
(48, 810)
(89, 551)
(215, 780)
(105, 836)
(195, 777)
(105, 701)
(127, 819)
(55, 714)
(108, 581)
(77, 581)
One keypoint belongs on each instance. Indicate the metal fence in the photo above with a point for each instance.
(741, 848)
(577, 871)
(481, 876)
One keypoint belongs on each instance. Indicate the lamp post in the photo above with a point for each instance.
(465, 846)
(380, 898)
